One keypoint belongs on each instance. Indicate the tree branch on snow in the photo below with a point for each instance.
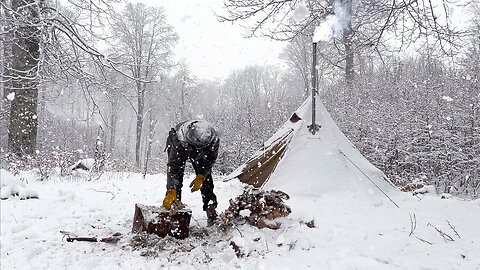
(453, 229)
(241, 235)
(413, 223)
(104, 191)
(423, 240)
(413, 226)
(445, 236)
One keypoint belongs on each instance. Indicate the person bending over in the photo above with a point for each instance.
(198, 141)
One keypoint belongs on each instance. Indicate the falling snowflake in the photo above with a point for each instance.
(11, 96)
(447, 98)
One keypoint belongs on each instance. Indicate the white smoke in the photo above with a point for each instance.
(333, 25)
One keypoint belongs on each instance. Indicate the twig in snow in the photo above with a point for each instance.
(115, 186)
(104, 191)
(14, 219)
(97, 176)
(241, 235)
(445, 236)
(418, 197)
(413, 223)
(196, 222)
(423, 240)
(413, 227)
(453, 229)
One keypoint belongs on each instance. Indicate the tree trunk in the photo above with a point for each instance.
(151, 131)
(22, 130)
(113, 121)
(138, 139)
(305, 69)
(5, 57)
(182, 109)
(349, 58)
(140, 108)
(3, 53)
(128, 141)
(349, 49)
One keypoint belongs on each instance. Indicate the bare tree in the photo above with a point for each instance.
(145, 43)
(249, 106)
(114, 92)
(297, 55)
(366, 23)
(184, 82)
(43, 42)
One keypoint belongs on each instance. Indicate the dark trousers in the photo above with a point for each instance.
(177, 157)
(207, 192)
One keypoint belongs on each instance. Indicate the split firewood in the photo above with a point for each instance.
(411, 187)
(264, 208)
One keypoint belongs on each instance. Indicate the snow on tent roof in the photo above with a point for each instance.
(299, 163)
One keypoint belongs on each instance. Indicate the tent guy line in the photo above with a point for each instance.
(370, 179)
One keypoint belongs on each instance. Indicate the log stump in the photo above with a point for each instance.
(162, 222)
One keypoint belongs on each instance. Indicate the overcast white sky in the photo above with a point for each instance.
(213, 49)
(210, 48)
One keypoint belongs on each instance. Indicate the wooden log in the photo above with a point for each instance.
(162, 222)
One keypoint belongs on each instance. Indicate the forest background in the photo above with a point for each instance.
(99, 79)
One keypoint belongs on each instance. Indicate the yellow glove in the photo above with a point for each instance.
(197, 182)
(170, 198)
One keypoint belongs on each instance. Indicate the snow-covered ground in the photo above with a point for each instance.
(350, 232)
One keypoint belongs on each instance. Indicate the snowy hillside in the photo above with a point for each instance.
(349, 233)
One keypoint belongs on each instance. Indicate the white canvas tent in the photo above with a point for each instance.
(299, 163)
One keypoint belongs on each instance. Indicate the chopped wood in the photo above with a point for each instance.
(411, 187)
(264, 207)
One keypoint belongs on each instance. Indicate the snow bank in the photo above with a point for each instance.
(11, 185)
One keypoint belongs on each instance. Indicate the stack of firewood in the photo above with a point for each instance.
(412, 187)
(264, 207)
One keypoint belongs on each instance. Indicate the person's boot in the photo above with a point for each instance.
(211, 214)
